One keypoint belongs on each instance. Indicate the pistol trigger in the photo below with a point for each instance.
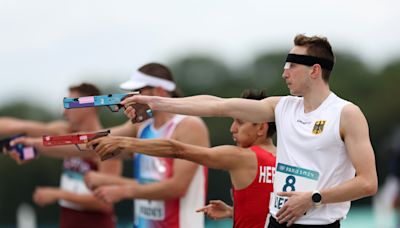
(77, 146)
(113, 108)
(94, 146)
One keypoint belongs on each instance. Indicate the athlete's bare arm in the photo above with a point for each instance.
(355, 133)
(221, 157)
(205, 105)
(63, 151)
(14, 126)
(11, 126)
(95, 179)
(240, 162)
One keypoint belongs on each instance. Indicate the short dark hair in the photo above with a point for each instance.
(160, 71)
(256, 94)
(85, 89)
(317, 46)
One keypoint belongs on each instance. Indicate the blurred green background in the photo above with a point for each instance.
(375, 90)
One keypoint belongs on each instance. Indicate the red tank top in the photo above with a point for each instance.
(251, 203)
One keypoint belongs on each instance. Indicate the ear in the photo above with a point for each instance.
(159, 91)
(316, 71)
(262, 129)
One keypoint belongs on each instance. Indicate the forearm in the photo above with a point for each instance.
(86, 201)
(164, 190)
(110, 179)
(62, 151)
(201, 105)
(216, 158)
(354, 189)
(152, 147)
(11, 126)
(207, 106)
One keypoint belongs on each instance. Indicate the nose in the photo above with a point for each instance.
(233, 128)
(285, 74)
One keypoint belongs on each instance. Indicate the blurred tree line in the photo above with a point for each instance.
(375, 91)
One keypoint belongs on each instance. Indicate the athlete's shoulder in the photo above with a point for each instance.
(272, 100)
(351, 111)
(191, 127)
(190, 122)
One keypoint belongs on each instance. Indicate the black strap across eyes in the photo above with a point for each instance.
(310, 60)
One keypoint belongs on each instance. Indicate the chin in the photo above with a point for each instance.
(293, 93)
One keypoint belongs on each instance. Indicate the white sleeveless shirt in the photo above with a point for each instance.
(311, 155)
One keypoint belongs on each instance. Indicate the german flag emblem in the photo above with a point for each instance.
(318, 127)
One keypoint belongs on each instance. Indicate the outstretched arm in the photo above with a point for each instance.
(205, 105)
(54, 151)
(221, 157)
(11, 126)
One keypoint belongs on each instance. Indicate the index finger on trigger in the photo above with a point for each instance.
(127, 99)
(129, 104)
(92, 142)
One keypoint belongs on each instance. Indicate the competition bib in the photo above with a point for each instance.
(150, 209)
(291, 178)
(72, 182)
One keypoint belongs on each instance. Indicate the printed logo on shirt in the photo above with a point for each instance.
(266, 175)
(303, 122)
(318, 127)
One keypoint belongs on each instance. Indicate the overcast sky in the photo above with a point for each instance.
(47, 45)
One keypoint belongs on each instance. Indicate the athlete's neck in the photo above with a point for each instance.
(315, 97)
(89, 125)
(267, 144)
(160, 118)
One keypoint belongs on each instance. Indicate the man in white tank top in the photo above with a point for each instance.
(323, 140)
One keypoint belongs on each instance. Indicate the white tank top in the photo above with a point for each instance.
(311, 155)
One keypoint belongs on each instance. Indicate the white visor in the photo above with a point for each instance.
(139, 80)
